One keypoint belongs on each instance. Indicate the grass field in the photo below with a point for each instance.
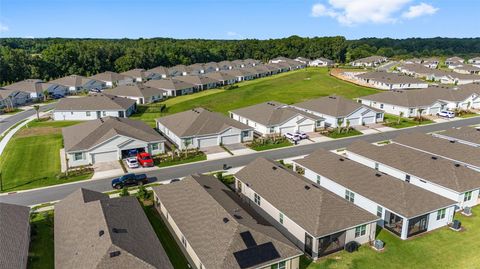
(290, 87)
(335, 134)
(32, 157)
(41, 253)
(392, 121)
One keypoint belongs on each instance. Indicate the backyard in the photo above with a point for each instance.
(32, 158)
(290, 87)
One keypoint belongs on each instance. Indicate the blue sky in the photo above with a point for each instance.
(238, 19)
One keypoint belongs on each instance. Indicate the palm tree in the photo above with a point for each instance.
(186, 143)
(45, 95)
(400, 116)
(348, 125)
(174, 151)
(37, 108)
(420, 112)
(339, 125)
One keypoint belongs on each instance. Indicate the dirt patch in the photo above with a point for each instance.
(36, 131)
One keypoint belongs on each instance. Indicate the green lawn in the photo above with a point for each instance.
(469, 115)
(41, 253)
(268, 146)
(32, 157)
(171, 247)
(335, 134)
(392, 121)
(442, 248)
(14, 111)
(290, 87)
(189, 159)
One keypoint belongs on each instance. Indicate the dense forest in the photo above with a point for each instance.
(51, 58)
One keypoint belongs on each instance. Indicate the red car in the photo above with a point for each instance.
(145, 159)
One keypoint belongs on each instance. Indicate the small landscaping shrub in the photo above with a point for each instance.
(231, 87)
(124, 192)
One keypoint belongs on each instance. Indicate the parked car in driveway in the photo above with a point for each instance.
(129, 180)
(292, 137)
(301, 134)
(132, 162)
(145, 159)
(446, 114)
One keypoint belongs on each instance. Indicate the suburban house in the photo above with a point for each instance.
(141, 75)
(93, 107)
(453, 60)
(431, 62)
(475, 60)
(458, 152)
(140, 93)
(76, 83)
(200, 128)
(95, 231)
(338, 110)
(216, 230)
(466, 135)
(225, 65)
(222, 78)
(430, 101)
(237, 64)
(437, 75)
(109, 139)
(303, 60)
(14, 235)
(172, 86)
(391, 81)
(405, 209)
(425, 170)
(159, 71)
(53, 88)
(371, 61)
(201, 82)
(13, 98)
(316, 220)
(31, 86)
(195, 69)
(113, 79)
(276, 118)
(279, 59)
(177, 70)
(211, 67)
(322, 62)
(241, 74)
(467, 69)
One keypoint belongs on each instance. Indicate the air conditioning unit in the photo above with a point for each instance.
(457, 225)
(378, 244)
(467, 211)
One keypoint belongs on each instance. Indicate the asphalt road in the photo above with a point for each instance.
(14, 119)
(59, 192)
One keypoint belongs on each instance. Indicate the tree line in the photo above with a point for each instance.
(50, 58)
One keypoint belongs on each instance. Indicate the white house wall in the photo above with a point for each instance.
(294, 123)
(82, 115)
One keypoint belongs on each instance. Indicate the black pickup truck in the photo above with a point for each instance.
(129, 180)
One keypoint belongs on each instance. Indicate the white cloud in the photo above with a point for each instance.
(353, 12)
(3, 28)
(234, 35)
(419, 10)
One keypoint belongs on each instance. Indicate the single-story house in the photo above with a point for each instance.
(460, 153)
(201, 82)
(370, 61)
(32, 86)
(303, 60)
(237, 64)
(172, 86)
(279, 59)
(454, 60)
(466, 135)
(322, 62)
(14, 235)
(337, 109)
(113, 79)
(177, 70)
(475, 61)
(261, 70)
(53, 88)
(211, 67)
(225, 65)
(92, 230)
(141, 75)
(76, 83)
(222, 78)
(405, 209)
(13, 98)
(142, 94)
(159, 71)
(391, 81)
(431, 62)
(316, 220)
(241, 74)
(467, 69)
(109, 139)
(200, 128)
(195, 69)
(276, 118)
(251, 62)
(214, 230)
(425, 170)
(93, 107)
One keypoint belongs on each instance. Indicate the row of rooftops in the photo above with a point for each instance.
(389, 78)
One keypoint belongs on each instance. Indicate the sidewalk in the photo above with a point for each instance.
(11, 132)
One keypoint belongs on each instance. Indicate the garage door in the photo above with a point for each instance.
(306, 128)
(476, 104)
(368, 120)
(285, 130)
(104, 157)
(434, 110)
(354, 121)
(207, 142)
(231, 139)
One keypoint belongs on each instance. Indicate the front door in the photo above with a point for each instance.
(99, 115)
(121, 114)
(308, 244)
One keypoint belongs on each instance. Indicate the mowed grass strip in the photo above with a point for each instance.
(41, 253)
(290, 87)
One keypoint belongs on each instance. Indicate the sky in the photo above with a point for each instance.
(239, 19)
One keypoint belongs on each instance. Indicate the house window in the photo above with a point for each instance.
(256, 199)
(467, 196)
(318, 123)
(272, 129)
(155, 146)
(245, 133)
(318, 179)
(379, 211)
(376, 166)
(280, 217)
(77, 156)
(280, 265)
(350, 196)
(381, 106)
(87, 113)
(104, 113)
(360, 231)
(407, 178)
(441, 214)
(411, 110)
(184, 241)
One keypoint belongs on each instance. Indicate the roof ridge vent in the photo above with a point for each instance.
(378, 175)
(341, 159)
(225, 220)
(307, 187)
(457, 165)
(274, 168)
(434, 157)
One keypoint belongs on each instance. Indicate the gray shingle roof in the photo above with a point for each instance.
(159, 70)
(441, 147)
(27, 85)
(390, 78)
(198, 206)
(370, 59)
(468, 134)
(220, 76)
(88, 134)
(397, 195)
(136, 90)
(197, 80)
(336, 106)
(169, 84)
(199, 121)
(272, 113)
(89, 227)
(94, 102)
(137, 73)
(109, 76)
(72, 81)
(315, 209)
(14, 236)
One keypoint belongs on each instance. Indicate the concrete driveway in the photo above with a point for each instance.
(107, 169)
(215, 152)
(239, 149)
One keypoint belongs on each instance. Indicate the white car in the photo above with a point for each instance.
(132, 162)
(301, 134)
(446, 114)
(293, 137)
